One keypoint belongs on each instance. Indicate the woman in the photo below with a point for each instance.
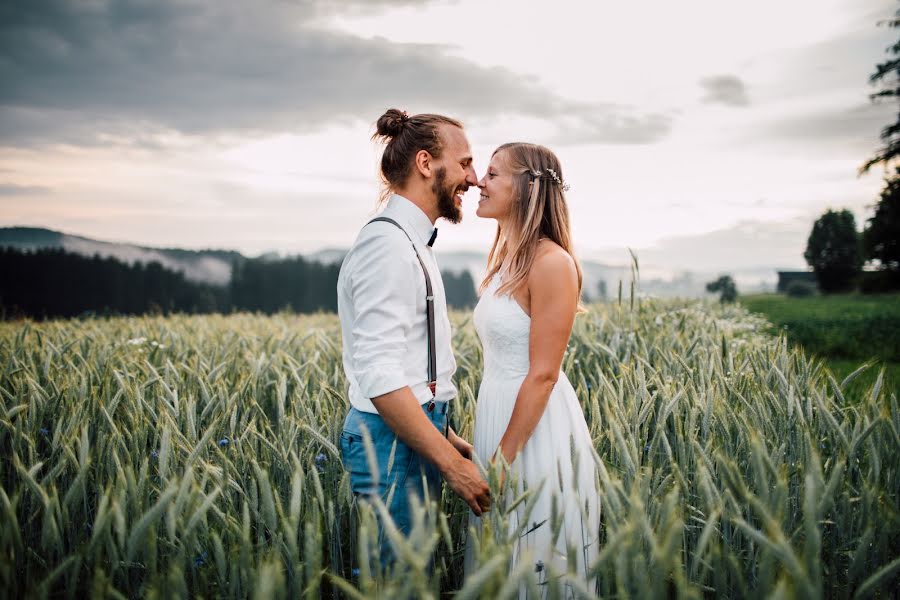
(527, 412)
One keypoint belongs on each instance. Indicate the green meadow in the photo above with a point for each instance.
(196, 456)
(848, 331)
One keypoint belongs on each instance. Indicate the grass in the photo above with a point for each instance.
(846, 330)
(196, 456)
(784, 308)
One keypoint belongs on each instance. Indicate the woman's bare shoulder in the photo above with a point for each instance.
(552, 266)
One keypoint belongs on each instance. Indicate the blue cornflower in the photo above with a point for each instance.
(588, 386)
(44, 431)
(154, 454)
(647, 448)
(320, 462)
(223, 442)
(200, 560)
(355, 572)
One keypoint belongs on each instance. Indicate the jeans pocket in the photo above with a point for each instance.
(391, 457)
(353, 455)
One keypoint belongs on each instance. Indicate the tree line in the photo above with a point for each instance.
(835, 250)
(50, 283)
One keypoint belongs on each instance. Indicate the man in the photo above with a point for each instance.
(400, 388)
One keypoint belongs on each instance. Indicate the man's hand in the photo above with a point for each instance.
(462, 446)
(403, 414)
(465, 480)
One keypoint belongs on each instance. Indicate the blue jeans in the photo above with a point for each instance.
(409, 476)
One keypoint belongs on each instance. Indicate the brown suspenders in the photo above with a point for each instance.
(429, 309)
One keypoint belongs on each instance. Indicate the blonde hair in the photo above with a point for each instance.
(538, 211)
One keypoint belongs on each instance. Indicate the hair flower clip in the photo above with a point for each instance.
(559, 182)
(550, 174)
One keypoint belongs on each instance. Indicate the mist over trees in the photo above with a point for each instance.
(56, 283)
(51, 283)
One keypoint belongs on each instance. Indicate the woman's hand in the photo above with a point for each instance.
(462, 446)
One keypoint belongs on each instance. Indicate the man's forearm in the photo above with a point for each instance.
(402, 412)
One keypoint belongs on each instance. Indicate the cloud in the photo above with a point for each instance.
(88, 72)
(725, 89)
(11, 189)
(854, 128)
(819, 103)
(614, 124)
(745, 245)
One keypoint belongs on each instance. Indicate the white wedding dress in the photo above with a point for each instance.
(503, 328)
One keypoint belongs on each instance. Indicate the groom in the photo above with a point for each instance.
(396, 335)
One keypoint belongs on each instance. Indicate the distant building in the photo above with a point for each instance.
(786, 277)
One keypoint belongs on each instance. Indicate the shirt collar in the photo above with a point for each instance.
(414, 220)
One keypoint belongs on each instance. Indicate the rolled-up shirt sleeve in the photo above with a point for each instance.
(383, 289)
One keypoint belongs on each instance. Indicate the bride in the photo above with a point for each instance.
(527, 412)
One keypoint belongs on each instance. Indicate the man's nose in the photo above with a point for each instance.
(471, 177)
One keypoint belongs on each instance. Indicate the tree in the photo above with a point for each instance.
(50, 282)
(459, 289)
(833, 251)
(881, 237)
(887, 74)
(725, 285)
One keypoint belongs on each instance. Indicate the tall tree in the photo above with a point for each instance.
(887, 75)
(833, 251)
(881, 237)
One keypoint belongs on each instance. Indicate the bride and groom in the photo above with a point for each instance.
(397, 343)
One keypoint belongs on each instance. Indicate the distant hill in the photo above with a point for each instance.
(475, 263)
(203, 266)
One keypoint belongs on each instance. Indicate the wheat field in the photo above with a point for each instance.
(196, 456)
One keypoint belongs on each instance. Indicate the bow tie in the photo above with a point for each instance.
(433, 237)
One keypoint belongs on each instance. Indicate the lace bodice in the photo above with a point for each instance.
(503, 329)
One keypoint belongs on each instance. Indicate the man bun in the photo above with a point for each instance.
(391, 123)
(404, 136)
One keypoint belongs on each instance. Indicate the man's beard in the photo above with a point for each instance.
(446, 198)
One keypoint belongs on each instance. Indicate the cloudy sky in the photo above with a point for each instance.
(703, 133)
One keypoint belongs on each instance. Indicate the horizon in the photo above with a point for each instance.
(755, 278)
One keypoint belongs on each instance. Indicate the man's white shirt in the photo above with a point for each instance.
(381, 303)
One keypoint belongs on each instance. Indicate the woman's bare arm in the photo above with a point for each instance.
(553, 286)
